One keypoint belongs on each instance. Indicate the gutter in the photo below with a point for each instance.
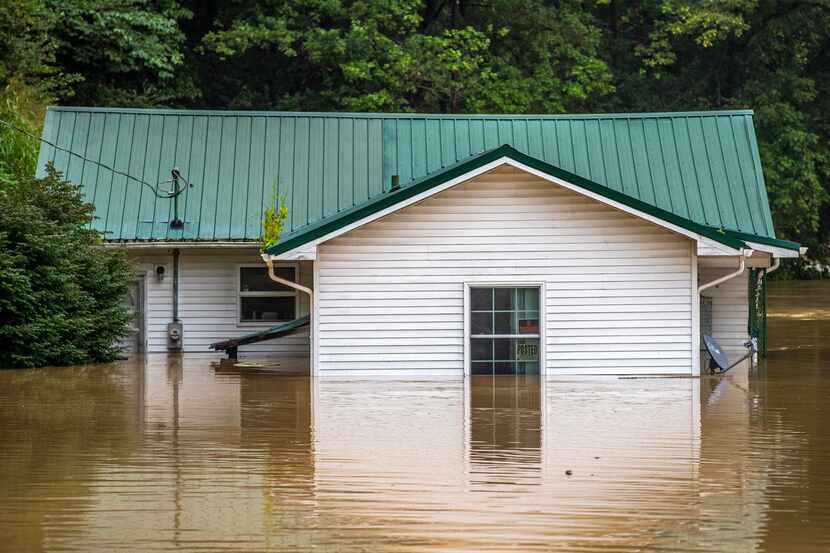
(168, 244)
(741, 268)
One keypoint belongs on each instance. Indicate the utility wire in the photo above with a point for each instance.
(165, 194)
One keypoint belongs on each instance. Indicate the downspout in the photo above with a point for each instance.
(730, 276)
(290, 284)
(724, 278)
(174, 327)
(175, 285)
(301, 288)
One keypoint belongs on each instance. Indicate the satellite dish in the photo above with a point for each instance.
(718, 361)
(716, 355)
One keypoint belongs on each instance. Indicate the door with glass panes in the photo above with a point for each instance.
(504, 330)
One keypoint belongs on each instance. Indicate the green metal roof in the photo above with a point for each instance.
(732, 239)
(700, 166)
(777, 242)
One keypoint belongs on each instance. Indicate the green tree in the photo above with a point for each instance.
(384, 55)
(121, 52)
(544, 57)
(28, 78)
(766, 55)
(515, 56)
(18, 152)
(27, 49)
(60, 291)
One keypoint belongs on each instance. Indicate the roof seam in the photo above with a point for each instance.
(112, 175)
(760, 188)
(703, 213)
(141, 189)
(741, 174)
(729, 189)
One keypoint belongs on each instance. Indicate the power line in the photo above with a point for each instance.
(166, 194)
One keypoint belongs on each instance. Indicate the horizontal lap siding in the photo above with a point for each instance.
(618, 290)
(208, 302)
(730, 304)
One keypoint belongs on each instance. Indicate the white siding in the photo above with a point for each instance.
(730, 303)
(618, 289)
(208, 301)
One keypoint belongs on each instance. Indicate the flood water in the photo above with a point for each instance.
(153, 456)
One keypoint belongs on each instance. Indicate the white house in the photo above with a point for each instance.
(434, 244)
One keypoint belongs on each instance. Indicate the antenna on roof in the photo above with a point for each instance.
(177, 223)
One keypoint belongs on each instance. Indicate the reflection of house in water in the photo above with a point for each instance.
(276, 413)
(733, 481)
(387, 461)
(276, 421)
(505, 433)
(239, 460)
(618, 459)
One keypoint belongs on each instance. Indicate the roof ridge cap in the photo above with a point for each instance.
(401, 115)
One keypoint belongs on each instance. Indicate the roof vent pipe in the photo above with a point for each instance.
(396, 183)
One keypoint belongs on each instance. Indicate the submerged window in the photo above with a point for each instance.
(504, 330)
(263, 300)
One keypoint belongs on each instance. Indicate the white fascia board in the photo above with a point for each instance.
(290, 254)
(171, 244)
(306, 252)
(774, 250)
(706, 246)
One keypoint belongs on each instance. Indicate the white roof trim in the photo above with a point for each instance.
(306, 252)
(171, 244)
(504, 160)
(708, 247)
(774, 250)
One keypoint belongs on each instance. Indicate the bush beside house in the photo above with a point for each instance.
(61, 293)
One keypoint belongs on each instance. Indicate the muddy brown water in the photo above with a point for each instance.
(156, 456)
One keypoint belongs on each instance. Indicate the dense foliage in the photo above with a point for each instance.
(61, 293)
(542, 56)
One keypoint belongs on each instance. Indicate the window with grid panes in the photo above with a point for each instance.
(504, 330)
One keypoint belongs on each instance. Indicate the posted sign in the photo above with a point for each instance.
(527, 352)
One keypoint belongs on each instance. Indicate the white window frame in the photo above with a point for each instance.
(240, 294)
(542, 315)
